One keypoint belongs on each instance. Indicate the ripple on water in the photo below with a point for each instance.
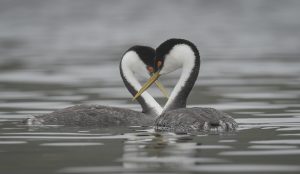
(267, 120)
(107, 102)
(13, 116)
(227, 141)
(34, 111)
(7, 120)
(12, 142)
(201, 146)
(293, 110)
(244, 168)
(112, 92)
(261, 152)
(171, 160)
(269, 127)
(35, 105)
(70, 144)
(272, 147)
(12, 128)
(261, 95)
(266, 125)
(66, 98)
(9, 95)
(68, 137)
(246, 105)
(213, 147)
(23, 76)
(277, 114)
(296, 134)
(284, 141)
(115, 92)
(96, 169)
(241, 82)
(201, 168)
(289, 129)
(240, 89)
(52, 133)
(248, 112)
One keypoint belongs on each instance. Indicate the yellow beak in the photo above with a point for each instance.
(147, 85)
(162, 89)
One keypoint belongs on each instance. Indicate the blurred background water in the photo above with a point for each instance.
(59, 53)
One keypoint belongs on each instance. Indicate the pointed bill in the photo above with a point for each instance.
(147, 85)
(162, 89)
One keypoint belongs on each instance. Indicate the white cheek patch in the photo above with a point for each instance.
(170, 65)
(139, 68)
(180, 55)
(132, 61)
(132, 65)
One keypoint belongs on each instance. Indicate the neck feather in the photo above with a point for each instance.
(188, 77)
(147, 102)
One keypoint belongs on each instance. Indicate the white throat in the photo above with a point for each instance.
(180, 56)
(132, 64)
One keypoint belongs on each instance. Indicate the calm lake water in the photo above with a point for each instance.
(55, 54)
(264, 102)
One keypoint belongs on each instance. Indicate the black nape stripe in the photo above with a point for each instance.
(147, 54)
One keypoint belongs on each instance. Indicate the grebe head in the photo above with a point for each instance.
(172, 55)
(140, 59)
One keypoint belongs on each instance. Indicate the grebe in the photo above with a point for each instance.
(136, 60)
(170, 56)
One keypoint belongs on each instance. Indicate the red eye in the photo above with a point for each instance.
(150, 69)
(159, 63)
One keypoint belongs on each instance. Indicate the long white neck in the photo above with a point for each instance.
(128, 66)
(189, 60)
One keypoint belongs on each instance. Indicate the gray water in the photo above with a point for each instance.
(55, 54)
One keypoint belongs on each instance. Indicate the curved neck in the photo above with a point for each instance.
(188, 77)
(147, 102)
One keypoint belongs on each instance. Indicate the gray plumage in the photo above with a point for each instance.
(176, 117)
(106, 116)
(195, 119)
(93, 115)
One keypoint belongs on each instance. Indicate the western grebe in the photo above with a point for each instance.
(170, 56)
(136, 60)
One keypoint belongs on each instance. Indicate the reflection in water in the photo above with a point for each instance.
(161, 151)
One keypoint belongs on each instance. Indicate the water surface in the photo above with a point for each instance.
(265, 106)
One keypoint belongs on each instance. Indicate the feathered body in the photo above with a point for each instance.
(93, 115)
(136, 60)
